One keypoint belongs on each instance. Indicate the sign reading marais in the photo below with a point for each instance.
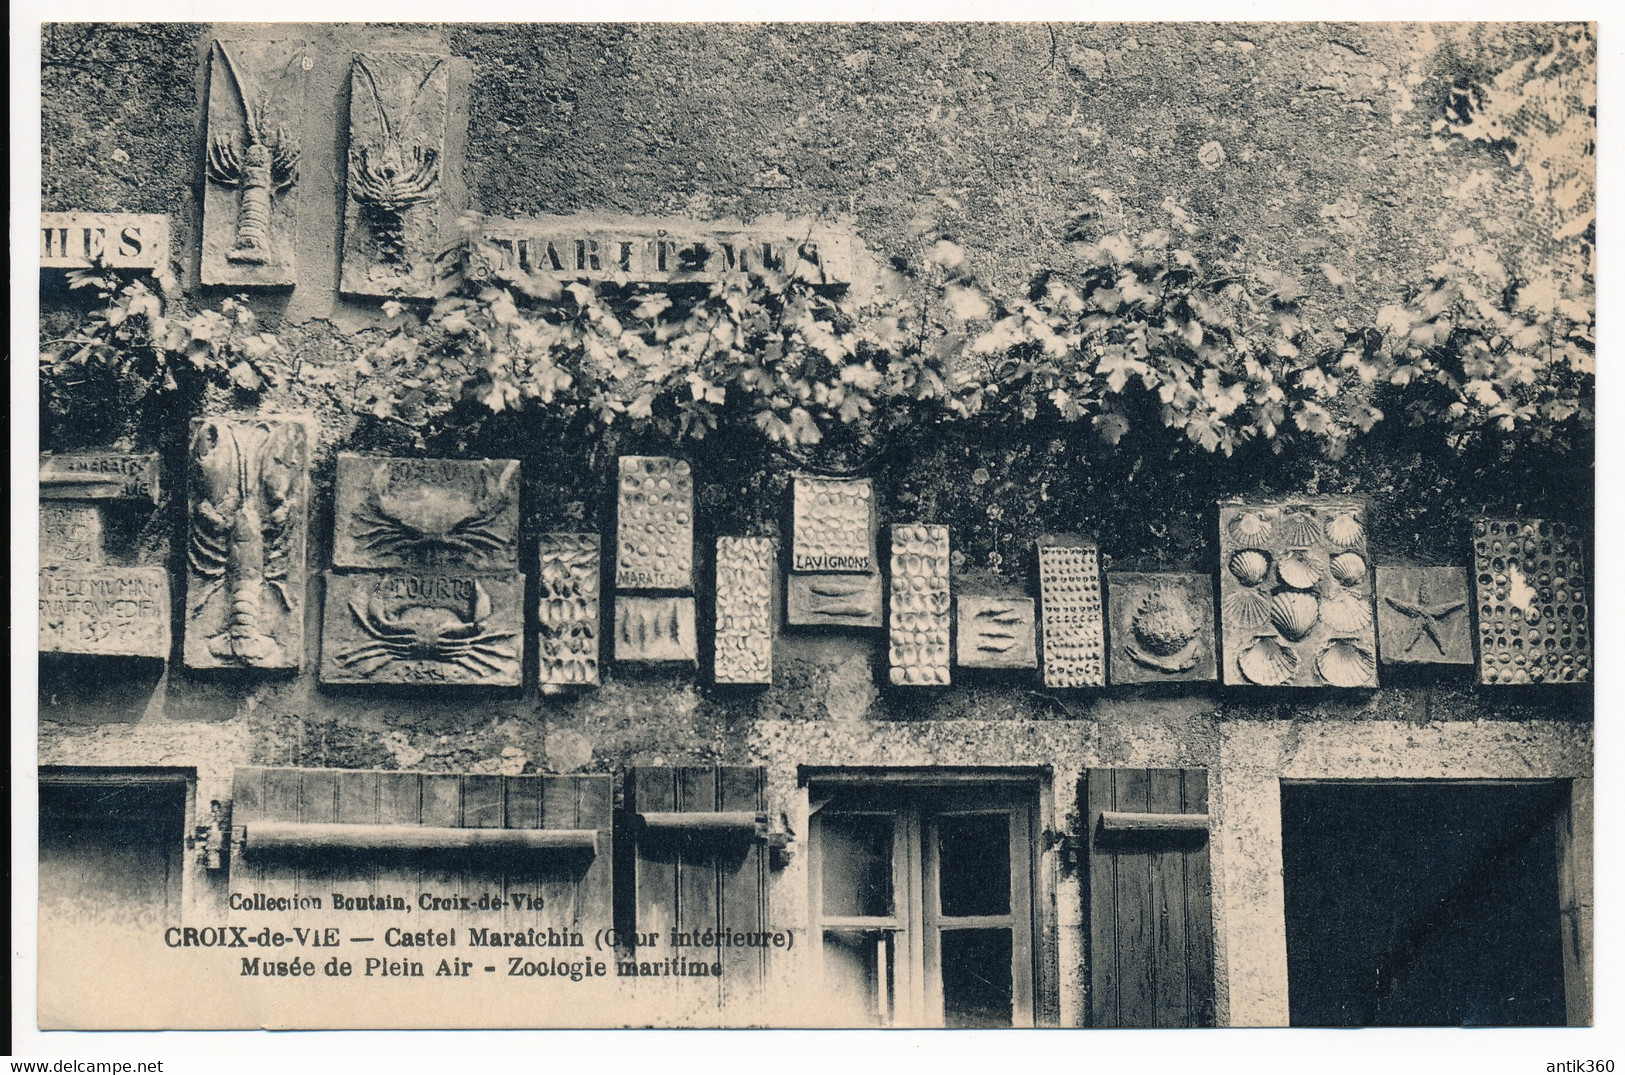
(572, 248)
(117, 240)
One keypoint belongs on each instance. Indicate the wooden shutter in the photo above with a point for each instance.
(1150, 898)
(700, 866)
(361, 833)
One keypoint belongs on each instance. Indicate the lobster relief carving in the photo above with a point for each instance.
(261, 162)
(396, 173)
(245, 547)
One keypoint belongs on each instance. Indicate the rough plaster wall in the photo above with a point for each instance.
(1327, 158)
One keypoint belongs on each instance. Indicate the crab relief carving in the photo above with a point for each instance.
(424, 629)
(396, 513)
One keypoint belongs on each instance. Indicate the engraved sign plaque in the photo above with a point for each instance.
(1073, 632)
(1423, 615)
(995, 630)
(105, 611)
(834, 601)
(744, 640)
(1161, 628)
(834, 524)
(1534, 625)
(919, 620)
(657, 630)
(567, 580)
(423, 627)
(118, 240)
(256, 103)
(98, 476)
(1296, 589)
(654, 524)
(431, 512)
(248, 494)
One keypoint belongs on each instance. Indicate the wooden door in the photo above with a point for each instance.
(1150, 898)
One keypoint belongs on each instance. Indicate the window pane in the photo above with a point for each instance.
(857, 864)
(976, 977)
(974, 853)
(857, 978)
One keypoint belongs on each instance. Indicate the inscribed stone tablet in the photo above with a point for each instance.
(424, 627)
(70, 534)
(107, 611)
(834, 525)
(98, 476)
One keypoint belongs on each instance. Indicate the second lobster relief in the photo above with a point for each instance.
(248, 499)
(395, 183)
(251, 162)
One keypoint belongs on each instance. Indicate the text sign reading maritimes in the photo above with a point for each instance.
(116, 240)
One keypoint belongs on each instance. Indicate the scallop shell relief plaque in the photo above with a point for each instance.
(1534, 625)
(1161, 628)
(1073, 634)
(1296, 595)
(744, 639)
(567, 572)
(654, 528)
(919, 616)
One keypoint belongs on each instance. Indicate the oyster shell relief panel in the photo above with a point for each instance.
(1534, 625)
(1296, 595)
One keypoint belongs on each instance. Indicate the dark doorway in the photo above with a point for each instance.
(1423, 904)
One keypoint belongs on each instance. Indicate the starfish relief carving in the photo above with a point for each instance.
(1426, 616)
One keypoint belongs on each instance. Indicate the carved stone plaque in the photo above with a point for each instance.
(656, 630)
(995, 629)
(654, 524)
(251, 162)
(118, 240)
(568, 571)
(1296, 587)
(426, 512)
(105, 611)
(394, 193)
(434, 628)
(1422, 616)
(1534, 625)
(98, 476)
(1161, 628)
(248, 496)
(744, 641)
(834, 525)
(834, 601)
(70, 534)
(656, 251)
(919, 622)
(1074, 644)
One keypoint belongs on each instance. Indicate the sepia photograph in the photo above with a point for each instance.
(784, 524)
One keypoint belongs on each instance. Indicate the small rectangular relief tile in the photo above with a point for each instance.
(568, 584)
(746, 571)
(394, 192)
(1162, 628)
(654, 524)
(1073, 643)
(248, 503)
(251, 162)
(69, 534)
(423, 627)
(995, 630)
(656, 630)
(919, 621)
(834, 601)
(834, 524)
(1534, 622)
(98, 476)
(104, 611)
(461, 513)
(1423, 615)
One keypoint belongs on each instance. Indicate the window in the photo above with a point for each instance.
(923, 899)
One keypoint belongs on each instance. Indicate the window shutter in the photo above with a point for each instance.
(374, 835)
(701, 866)
(1150, 898)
